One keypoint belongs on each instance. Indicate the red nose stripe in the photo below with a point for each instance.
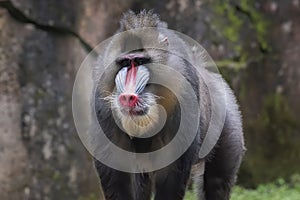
(131, 76)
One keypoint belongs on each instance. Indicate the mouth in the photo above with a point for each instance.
(136, 118)
(137, 110)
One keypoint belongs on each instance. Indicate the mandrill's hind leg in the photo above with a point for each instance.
(220, 171)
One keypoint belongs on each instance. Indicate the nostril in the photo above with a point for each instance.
(128, 100)
(133, 98)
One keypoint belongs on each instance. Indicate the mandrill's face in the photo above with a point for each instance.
(135, 105)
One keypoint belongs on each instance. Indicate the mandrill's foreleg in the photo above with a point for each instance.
(116, 185)
(171, 182)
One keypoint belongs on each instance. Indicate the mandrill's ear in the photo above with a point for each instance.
(163, 39)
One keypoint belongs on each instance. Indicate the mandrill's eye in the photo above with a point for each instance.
(124, 62)
(141, 60)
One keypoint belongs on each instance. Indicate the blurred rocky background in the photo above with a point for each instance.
(255, 43)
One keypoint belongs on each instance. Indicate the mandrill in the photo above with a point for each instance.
(139, 116)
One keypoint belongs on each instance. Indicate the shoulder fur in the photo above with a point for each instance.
(130, 20)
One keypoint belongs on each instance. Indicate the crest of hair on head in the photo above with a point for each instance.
(143, 19)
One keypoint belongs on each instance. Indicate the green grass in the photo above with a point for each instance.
(279, 190)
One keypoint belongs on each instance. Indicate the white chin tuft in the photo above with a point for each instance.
(141, 125)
